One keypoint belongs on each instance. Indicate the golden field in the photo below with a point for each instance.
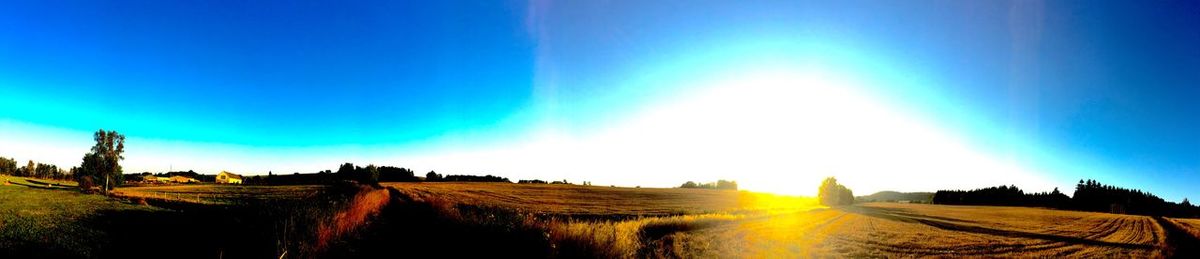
(544, 220)
(1191, 226)
(598, 201)
(710, 223)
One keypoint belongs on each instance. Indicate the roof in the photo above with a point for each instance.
(231, 175)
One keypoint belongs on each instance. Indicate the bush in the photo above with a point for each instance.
(833, 194)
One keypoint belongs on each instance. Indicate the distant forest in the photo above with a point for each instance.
(718, 185)
(1089, 195)
(369, 174)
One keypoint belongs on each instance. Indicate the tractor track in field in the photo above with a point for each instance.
(1180, 244)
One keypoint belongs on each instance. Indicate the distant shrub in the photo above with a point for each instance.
(833, 194)
(433, 177)
(718, 185)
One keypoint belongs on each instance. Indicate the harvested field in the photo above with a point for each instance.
(885, 229)
(221, 194)
(597, 201)
(719, 224)
(539, 220)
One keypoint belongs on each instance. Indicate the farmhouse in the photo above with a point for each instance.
(230, 178)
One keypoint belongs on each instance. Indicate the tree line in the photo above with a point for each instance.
(370, 174)
(1089, 195)
(36, 170)
(718, 185)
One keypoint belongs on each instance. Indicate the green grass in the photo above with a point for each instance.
(52, 220)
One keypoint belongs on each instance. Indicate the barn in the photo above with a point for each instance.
(229, 178)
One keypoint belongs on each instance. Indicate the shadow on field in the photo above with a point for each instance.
(410, 227)
(44, 186)
(357, 221)
(145, 234)
(310, 228)
(902, 215)
(1180, 243)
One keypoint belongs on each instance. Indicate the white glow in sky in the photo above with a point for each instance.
(777, 131)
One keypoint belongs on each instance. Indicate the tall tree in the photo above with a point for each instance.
(29, 169)
(8, 166)
(102, 164)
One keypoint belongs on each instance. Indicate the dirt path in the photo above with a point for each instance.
(1180, 244)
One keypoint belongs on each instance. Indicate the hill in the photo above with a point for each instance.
(890, 196)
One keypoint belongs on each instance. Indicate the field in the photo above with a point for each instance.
(53, 222)
(1191, 226)
(717, 224)
(221, 194)
(889, 230)
(539, 220)
(596, 201)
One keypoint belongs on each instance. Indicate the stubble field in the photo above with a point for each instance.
(540, 220)
(709, 223)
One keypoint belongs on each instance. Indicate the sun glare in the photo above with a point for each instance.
(778, 131)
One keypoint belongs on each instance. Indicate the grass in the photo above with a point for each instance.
(187, 221)
(36, 182)
(52, 223)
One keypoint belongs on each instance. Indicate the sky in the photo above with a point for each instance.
(885, 95)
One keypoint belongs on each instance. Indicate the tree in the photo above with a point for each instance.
(833, 194)
(433, 177)
(345, 170)
(8, 166)
(395, 174)
(689, 184)
(368, 175)
(726, 185)
(102, 164)
(29, 170)
(1186, 203)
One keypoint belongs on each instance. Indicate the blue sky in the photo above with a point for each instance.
(1038, 94)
